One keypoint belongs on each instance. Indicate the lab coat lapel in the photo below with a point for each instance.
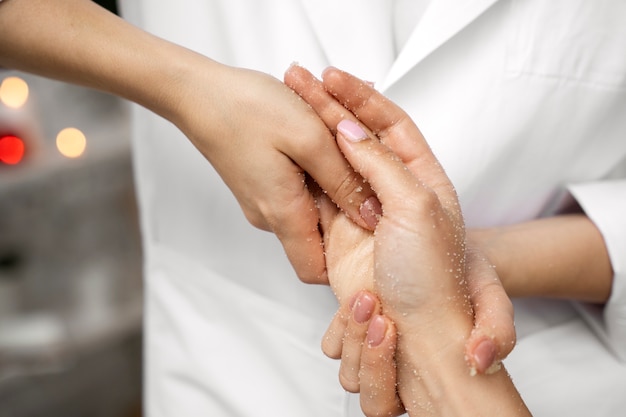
(441, 21)
(364, 48)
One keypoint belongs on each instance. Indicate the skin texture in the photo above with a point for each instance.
(563, 256)
(77, 41)
(350, 258)
(258, 134)
(417, 259)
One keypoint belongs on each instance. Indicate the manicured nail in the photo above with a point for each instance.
(351, 130)
(371, 211)
(363, 308)
(376, 331)
(484, 355)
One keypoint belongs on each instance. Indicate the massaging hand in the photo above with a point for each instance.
(261, 148)
(256, 132)
(349, 249)
(419, 277)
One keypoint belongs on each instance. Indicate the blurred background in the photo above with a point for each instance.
(70, 253)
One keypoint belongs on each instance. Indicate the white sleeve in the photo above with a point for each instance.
(605, 204)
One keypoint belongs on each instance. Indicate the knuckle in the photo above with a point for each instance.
(256, 219)
(308, 145)
(345, 187)
(364, 101)
(424, 205)
(428, 202)
(274, 217)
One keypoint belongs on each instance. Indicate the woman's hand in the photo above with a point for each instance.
(257, 133)
(493, 336)
(493, 310)
(419, 276)
(262, 138)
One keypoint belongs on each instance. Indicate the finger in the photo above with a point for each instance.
(313, 92)
(364, 307)
(392, 125)
(361, 98)
(300, 237)
(384, 170)
(493, 336)
(327, 209)
(378, 370)
(332, 342)
(324, 162)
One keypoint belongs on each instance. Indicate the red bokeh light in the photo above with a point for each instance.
(11, 149)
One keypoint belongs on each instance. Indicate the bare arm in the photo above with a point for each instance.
(254, 130)
(79, 42)
(563, 256)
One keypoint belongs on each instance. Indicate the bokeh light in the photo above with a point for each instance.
(14, 92)
(11, 149)
(71, 142)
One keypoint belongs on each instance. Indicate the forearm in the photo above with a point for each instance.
(78, 41)
(563, 256)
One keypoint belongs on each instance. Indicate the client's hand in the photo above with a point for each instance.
(419, 274)
(438, 208)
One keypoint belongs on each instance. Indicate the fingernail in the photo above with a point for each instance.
(376, 331)
(484, 355)
(371, 211)
(363, 308)
(351, 130)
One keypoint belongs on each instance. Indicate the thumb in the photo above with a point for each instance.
(493, 336)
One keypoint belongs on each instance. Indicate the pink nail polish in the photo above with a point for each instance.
(371, 211)
(376, 331)
(363, 308)
(351, 130)
(484, 355)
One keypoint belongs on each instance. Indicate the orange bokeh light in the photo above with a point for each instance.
(71, 142)
(14, 92)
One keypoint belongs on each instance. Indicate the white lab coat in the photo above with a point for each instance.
(519, 100)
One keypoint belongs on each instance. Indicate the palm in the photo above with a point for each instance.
(349, 254)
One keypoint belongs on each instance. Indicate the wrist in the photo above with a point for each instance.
(430, 354)
(434, 378)
(165, 76)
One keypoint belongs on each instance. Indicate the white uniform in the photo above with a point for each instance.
(518, 99)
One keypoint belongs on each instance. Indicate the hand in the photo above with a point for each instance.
(261, 138)
(419, 276)
(256, 132)
(418, 279)
(394, 127)
(493, 337)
